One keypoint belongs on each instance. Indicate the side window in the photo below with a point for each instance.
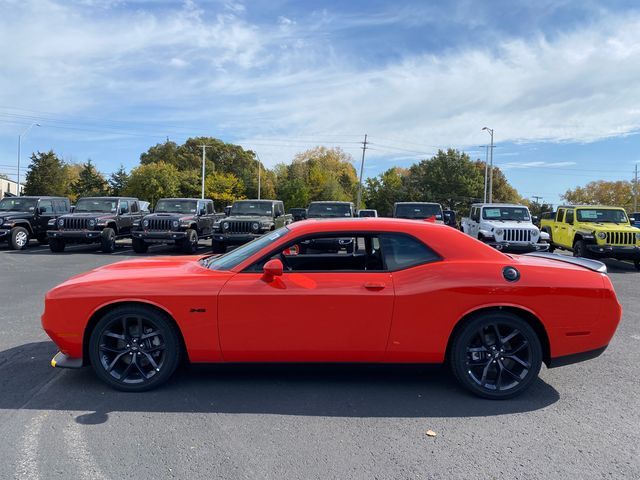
(280, 209)
(46, 206)
(475, 214)
(209, 208)
(134, 207)
(124, 206)
(402, 251)
(560, 215)
(569, 217)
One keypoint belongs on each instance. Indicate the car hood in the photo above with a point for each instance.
(169, 216)
(9, 215)
(611, 227)
(248, 218)
(508, 224)
(95, 215)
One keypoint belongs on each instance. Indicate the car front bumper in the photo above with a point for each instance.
(510, 247)
(76, 236)
(611, 251)
(235, 239)
(60, 360)
(159, 237)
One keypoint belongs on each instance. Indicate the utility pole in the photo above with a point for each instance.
(259, 182)
(364, 149)
(486, 170)
(23, 134)
(204, 149)
(490, 130)
(635, 191)
(536, 198)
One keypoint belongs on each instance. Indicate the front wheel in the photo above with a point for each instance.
(134, 348)
(19, 238)
(108, 240)
(56, 245)
(496, 355)
(190, 243)
(580, 249)
(218, 247)
(139, 245)
(636, 263)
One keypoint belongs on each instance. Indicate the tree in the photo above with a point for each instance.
(154, 181)
(118, 181)
(90, 182)
(387, 188)
(615, 193)
(502, 190)
(223, 188)
(47, 175)
(538, 208)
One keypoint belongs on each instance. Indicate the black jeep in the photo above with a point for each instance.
(23, 218)
(95, 220)
(179, 221)
(330, 209)
(247, 220)
(298, 214)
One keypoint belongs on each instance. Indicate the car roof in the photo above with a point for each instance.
(46, 197)
(190, 199)
(591, 206)
(519, 205)
(256, 200)
(108, 198)
(417, 203)
(332, 201)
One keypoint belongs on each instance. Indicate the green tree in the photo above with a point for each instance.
(154, 181)
(90, 182)
(223, 188)
(47, 175)
(118, 181)
(387, 188)
(601, 192)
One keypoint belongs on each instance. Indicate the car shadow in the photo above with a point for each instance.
(619, 266)
(308, 390)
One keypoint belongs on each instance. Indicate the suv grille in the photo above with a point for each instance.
(239, 226)
(621, 238)
(517, 235)
(160, 224)
(73, 223)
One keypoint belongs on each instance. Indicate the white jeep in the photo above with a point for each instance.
(506, 227)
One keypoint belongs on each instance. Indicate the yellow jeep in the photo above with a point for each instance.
(594, 231)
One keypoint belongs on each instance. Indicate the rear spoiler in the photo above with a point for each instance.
(593, 265)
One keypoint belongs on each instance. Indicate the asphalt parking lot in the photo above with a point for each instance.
(302, 422)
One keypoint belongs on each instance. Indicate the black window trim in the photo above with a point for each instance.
(347, 234)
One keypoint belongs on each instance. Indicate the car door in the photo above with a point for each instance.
(125, 221)
(320, 313)
(559, 228)
(474, 222)
(44, 213)
(570, 229)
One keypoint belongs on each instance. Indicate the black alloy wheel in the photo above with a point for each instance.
(56, 245)
(134, 348)
(190, 243)
(496, 355)
(580, 249)
(218, 247)
(636, 263)
(108, 240)
(139, 245)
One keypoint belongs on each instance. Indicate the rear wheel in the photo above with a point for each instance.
(139, 245)
(56, 245)
(108, 240)
(580, 249)
(218, 247)
(19, 238)
(134, 348)
(190, 243)
(496, 355)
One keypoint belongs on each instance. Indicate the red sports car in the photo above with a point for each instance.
(409, 292)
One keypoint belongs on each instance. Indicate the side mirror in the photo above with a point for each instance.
(203, 211)
(123, 210)
(41, 210)
(272, 269)
(534, 219)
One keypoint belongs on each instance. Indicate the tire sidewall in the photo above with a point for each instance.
(108, 240)
(469, 330)
(170, 335)
(14, 242)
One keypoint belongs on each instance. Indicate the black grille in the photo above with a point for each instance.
(160, 224)
(621, 238)
(517, 235)
(239, 226)
(74, 223)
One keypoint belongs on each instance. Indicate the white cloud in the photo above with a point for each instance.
(512, 165)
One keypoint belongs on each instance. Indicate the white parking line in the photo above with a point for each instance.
(77, 447)
(27, 466)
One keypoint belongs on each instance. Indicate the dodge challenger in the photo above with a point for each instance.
(409, 292)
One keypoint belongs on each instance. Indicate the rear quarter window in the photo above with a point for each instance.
(402, 251)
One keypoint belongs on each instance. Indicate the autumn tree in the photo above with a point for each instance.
(601, 192)
(223, 188)
(154, 181)
(90, 182)
(46, 175)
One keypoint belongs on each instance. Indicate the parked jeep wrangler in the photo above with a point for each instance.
(330, 209)
(178, 221)
(249, 219)
(23, 218)
(100, 220)
(298, 214)
(418, 211)
(594, 231)
(505, 227)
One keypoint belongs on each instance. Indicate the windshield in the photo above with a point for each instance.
(366, 213)
(251, 208)
(103, 205)
(17, 204)
(329, 210)
(514, 214)
(237, 256)
(419, 211)
(176, 206)
(602, 215)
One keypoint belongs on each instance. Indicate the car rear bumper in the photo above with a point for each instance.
(60, 360)
(611, 251)
(159, 237)
(76, 236)
(519, 247)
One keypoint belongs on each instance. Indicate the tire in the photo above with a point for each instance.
(495, 373)
(108, 240)
(139, 245)
(636, 263)
(580, 249)
(218, 247)
(130, 360)
(19, 239)
(552, 247)
(190, 244)
(43, 239)
(56, 245)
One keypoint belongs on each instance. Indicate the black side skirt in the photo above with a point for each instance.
(575, 357)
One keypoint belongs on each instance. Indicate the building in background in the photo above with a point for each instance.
(9, 188)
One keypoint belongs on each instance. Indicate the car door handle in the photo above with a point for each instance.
(374, 285)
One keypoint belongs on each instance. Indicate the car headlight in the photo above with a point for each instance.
(638, 236)
(225, 225)
(51, 222)
(499, 231)
(175, 224)
(535, 232)
(255, 226)
(601, 235)
(92, 223)
(60, 222)
(145, 223)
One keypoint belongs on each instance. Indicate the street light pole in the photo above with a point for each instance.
(490, 130)
(23, 134)
(259, 175)
(359, 197)
(486, 171)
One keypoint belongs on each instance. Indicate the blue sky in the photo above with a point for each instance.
(559, 81)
